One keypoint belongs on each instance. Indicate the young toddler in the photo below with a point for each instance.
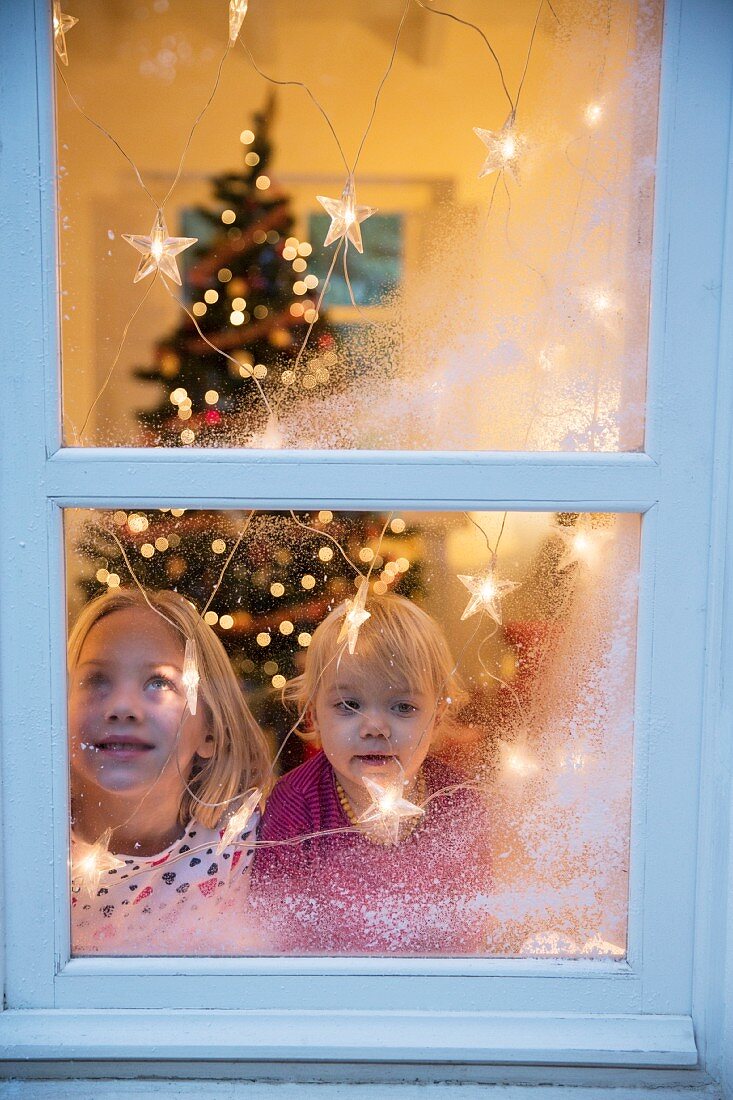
(155, 775)
(374, 846)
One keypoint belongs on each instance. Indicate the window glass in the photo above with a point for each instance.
(504, 312)
(459, 784)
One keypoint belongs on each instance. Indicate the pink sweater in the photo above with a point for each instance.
(343, 894)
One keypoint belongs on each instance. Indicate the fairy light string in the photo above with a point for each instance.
(162, 249)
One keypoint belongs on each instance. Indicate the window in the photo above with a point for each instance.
(614, 1008)
(506, 706)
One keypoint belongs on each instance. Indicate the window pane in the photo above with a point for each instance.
(458, 785)
(505, 312)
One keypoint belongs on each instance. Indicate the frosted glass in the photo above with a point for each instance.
(512, 761)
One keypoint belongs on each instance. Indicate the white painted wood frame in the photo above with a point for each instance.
(636, 1013)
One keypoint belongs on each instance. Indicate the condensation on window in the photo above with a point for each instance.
(501, 300)
(334, 733)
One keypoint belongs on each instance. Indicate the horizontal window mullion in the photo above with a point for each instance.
(111, 477)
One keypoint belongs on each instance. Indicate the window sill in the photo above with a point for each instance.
(355, 1036)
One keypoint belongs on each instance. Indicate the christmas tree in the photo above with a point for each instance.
(252, 298)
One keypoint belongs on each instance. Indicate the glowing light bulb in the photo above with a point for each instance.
(355, 617)
(584, 544)
(593, 114)
(191, 678)
(581, 543)
(508, 148)
(503, 148)
(92, 861)
(517, 760)
(159, 250)
(238, 822)
(346, 216)
(487, 591)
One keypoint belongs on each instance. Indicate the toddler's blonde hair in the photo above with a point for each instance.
(241, 758)
(399, 642)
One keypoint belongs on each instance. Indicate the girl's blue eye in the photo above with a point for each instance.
(405, 708)
(161, 682)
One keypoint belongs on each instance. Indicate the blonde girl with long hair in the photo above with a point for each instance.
(155, 776)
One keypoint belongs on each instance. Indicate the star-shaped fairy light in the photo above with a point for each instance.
(503, 147)
(61, 24)
(388, 809)
(487, 592)
(237, 12)
(92, 861)
(585, 545)
(346, 216)
(239, 820)
(191, 676)
(159, 250)
(355, 617)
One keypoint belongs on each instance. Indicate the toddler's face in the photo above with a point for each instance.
(365, 724)
(126, 702)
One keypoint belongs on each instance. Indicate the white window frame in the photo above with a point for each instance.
(489, 1011)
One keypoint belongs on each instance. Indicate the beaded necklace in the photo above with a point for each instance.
(409, 825)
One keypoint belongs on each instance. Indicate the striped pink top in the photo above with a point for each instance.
(343, 894)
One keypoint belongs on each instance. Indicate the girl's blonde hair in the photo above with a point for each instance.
(399, 642)
(241, 758)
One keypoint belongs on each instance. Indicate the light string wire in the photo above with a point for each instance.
(108, 378)
(159, 207)
(350, 172)
(295, 84)
(487, 638)
(106, 133)
(500, 177)
(219, 351)
(331, 538)
(473, 26)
